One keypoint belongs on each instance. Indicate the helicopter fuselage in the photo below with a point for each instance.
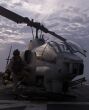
(55, 64)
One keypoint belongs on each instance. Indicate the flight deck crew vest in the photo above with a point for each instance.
(17, 64)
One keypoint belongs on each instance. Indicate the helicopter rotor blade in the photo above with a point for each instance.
(41, 27)
(20, 19)
(57, 36)
(11, 15)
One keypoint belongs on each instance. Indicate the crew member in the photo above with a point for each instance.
(16, 66)
(30, 64)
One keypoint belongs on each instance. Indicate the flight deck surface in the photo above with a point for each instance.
(76, 99)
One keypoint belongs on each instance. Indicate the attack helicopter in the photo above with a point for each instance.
(57, 63)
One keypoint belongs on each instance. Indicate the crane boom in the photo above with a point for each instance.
(20, 19)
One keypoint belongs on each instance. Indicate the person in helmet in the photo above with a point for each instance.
(27, 56)
(30, 65)
(16, 66)
(17, 63)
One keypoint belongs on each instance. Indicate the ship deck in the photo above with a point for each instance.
(77, 98)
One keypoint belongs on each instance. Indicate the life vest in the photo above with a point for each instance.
(17, 64)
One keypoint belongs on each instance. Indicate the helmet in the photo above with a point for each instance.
(16, 52)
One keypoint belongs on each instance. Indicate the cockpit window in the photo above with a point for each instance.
(64, 48)
(46, 53)
(60, 47)
(67, 47)
(55, 46)
(76, 47)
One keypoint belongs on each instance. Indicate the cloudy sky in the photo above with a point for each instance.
(68, 18)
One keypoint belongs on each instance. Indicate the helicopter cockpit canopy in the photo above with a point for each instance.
(76, 47)
(50, 50)
(46, 52)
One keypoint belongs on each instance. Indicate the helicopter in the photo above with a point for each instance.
(57, 63)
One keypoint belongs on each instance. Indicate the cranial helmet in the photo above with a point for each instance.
(16, 52)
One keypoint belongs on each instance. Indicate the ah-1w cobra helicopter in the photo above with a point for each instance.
(56, 62)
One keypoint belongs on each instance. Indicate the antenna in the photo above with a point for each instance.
(8, 58)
